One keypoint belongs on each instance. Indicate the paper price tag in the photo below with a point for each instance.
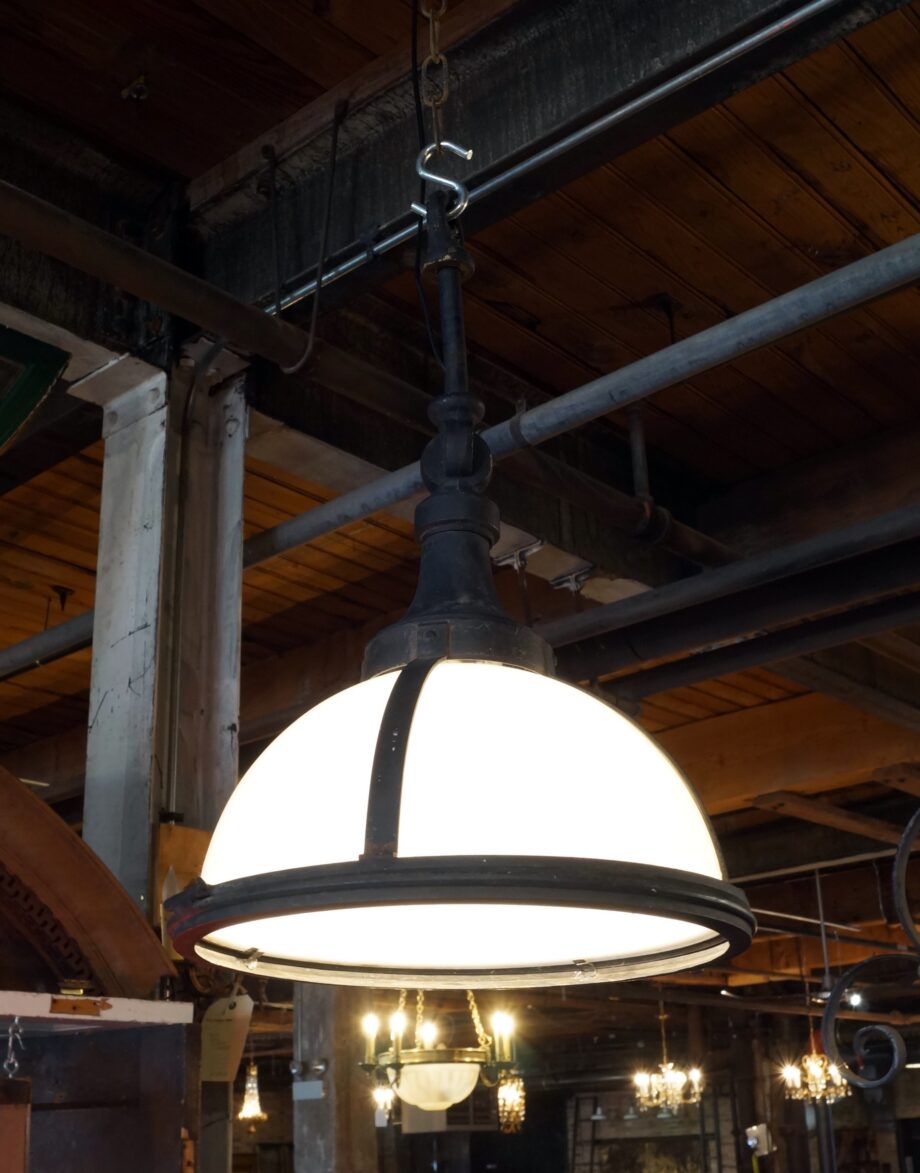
(223, 1037)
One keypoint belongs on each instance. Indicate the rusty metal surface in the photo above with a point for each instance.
(68, 905)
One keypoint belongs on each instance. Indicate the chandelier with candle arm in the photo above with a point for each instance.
(814, 1077)
(433, 1076)
(670, 1088)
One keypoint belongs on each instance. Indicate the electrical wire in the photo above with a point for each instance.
(419, 239)
(341, 109)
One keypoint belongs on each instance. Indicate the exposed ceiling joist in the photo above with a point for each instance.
(818, 810)
(904, 776)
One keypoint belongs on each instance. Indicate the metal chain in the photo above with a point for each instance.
(662, 1019)
(435, 89)
(401, 1004)
(419, 1015)
(482, 1038)
(13, 1039)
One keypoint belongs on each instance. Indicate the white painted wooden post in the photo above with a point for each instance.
(121, 785)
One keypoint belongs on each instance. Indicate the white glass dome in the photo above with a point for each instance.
(500, 762)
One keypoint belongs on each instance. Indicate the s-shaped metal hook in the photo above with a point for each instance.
(462, 196)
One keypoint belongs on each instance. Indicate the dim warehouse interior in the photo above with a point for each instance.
(488, 431)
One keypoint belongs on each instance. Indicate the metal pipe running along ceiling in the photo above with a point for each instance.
(884, 272)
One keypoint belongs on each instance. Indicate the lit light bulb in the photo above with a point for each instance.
(854, 997)
(370, 1024)
(428, 1035)
(502, 1029)
(383, 1098)
(696, 1076)
(397, 1025)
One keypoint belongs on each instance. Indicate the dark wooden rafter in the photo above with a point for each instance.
(818, 810)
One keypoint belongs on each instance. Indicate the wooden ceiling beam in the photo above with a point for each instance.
(818, 810)
(810, 743)
(858, 674)
(904, 776)
(619, 51)
(848, 485)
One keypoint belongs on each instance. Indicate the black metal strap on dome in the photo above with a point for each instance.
(384, 800)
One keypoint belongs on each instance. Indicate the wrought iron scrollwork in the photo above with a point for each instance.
(874, 1032)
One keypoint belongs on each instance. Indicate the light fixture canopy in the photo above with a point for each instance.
(460, 818)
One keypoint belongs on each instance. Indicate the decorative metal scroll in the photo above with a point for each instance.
(874, 1032)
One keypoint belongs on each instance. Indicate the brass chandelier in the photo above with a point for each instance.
(814, 1077)
(432, 1076)
(670, 1088)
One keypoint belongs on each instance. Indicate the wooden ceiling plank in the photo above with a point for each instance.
(372, 24)
(780, 264)
(719, 214)
(543, 264)
(490, 325)
(734, 696)
(296, 35)
(770, 367)
(719, 277)
(865, 112)
(811, 147)
(756, 175)
(889, 47)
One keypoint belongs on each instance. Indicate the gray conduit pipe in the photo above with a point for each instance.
(846, 289)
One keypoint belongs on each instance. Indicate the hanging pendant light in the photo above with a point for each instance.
(670, 1088)
(430, 1075)
(461, 818)
(512, 1103)
(251, 1108)
(814, 1077)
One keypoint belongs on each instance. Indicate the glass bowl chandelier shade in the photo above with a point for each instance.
(435, 1087)
(581, 814)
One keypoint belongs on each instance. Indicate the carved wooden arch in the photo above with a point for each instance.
(68, 905)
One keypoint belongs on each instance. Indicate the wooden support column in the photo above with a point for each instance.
(202, 615)
(15, 1113)
(121, 787)
(204, 610)
(334, 1133)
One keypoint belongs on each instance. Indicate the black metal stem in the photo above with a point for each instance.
(456, 612)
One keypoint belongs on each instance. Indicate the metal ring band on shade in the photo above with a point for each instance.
(612, 886)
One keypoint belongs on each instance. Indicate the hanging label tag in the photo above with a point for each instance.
(223, 1037)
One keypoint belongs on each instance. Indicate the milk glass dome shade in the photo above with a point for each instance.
(460, 818)
(556, 844)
